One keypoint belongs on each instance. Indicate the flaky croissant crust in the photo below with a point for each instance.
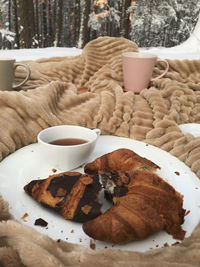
(119, 160)
(143, 202)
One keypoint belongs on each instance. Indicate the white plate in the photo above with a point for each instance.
(26, 164)
(192, 128)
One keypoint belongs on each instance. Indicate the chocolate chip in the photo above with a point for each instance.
(41, 222)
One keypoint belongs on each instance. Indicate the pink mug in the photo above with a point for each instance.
(137, 70)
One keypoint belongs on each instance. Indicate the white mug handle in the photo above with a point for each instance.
(97, 131)
(165, 71)
(28, 71)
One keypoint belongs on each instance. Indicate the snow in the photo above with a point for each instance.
(98, 21)
(8, 34)
(38, 53)
(190, 49)
(185, 51)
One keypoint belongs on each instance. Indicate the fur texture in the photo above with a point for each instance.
(87, 90)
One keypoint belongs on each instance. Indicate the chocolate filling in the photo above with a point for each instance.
(90, 198)
(120, 191)
(65, 182)
(110, 184)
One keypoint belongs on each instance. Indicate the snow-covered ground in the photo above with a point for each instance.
(37, 53)
(177, 52)
(184, 51)
(188, 50)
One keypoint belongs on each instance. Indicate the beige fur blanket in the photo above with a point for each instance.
(87, 90)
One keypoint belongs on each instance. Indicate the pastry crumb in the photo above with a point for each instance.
(166, 245)
(24, 216)
(187, 212)
(176, 243)
(41, 222)
(92, 245)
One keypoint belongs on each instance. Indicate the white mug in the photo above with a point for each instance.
(67, 157)
(7, 74)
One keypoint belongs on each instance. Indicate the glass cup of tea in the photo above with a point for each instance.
(66, 147)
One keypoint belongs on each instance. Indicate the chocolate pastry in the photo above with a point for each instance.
(143, 202)
(119, 160)
(73, 194)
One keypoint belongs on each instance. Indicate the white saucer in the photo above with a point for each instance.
(192, 128)
(27, 164)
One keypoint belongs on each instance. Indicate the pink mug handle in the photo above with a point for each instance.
(166, 70)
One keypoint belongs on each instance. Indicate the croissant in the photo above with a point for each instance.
(119, 160)
(143, 202)
(73, 194)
